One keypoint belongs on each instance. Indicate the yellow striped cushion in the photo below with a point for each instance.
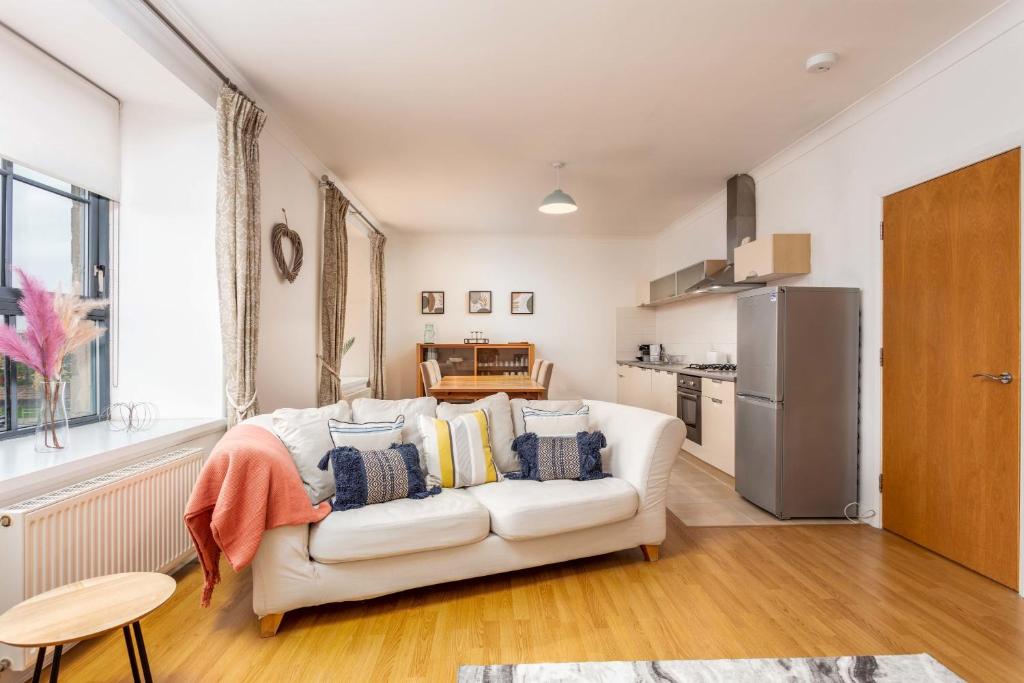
(457, 452)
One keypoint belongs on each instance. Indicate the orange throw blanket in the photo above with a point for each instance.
(248, 485)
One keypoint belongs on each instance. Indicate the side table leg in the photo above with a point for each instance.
(131, 653)
(142, 652)
(40, 656)
(55, 666)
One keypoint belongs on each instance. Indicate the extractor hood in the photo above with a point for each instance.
(740, 227)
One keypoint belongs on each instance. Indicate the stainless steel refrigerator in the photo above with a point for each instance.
(797, 390)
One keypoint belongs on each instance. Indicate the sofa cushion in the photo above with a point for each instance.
(399, 527)
(366, 435)
(306, 435)
(522, 509)
(371, 477)
(379, 410)
(499, 419)
(518, 404)
(544, 458)
(556, 422)
(458, 451)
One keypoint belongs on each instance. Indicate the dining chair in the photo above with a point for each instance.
(430, 372)
(535, 370)
(544, 375)
(435, 370)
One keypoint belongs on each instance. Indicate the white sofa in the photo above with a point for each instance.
(488, 529)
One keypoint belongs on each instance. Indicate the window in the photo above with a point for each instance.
(58, 233)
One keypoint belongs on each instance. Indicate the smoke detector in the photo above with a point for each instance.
(821, 62)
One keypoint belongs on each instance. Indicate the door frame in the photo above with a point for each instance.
(926, 170)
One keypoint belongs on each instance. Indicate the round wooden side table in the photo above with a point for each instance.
(86, 609)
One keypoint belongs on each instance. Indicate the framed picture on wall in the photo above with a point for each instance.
(522, 303)
(432, 303)
(479, 301)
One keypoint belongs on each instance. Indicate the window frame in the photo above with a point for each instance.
(97, 256)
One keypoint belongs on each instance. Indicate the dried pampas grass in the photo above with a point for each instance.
(73, 311)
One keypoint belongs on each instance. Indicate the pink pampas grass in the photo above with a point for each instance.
(55, 325)
(39, 347)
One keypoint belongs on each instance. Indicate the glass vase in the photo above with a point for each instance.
(52, 422)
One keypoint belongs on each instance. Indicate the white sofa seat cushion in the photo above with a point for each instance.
(399, 527)
(523, 509)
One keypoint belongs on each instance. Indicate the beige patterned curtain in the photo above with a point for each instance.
(378, 314)
(333, 286)
(239, 122)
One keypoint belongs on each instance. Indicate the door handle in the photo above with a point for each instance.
(1002, 378)
(716, 400)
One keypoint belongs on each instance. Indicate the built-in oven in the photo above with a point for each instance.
(688, 405)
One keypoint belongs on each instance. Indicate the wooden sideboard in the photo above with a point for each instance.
(476, 360)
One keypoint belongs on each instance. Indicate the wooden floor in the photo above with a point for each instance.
(717, 592)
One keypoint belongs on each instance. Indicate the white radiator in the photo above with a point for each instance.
(128, 520)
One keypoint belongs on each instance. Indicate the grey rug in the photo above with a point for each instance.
(887, 668)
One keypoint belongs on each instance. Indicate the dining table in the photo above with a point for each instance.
(454, 388)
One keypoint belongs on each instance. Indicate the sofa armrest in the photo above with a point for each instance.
(642, 446)
(282, 572)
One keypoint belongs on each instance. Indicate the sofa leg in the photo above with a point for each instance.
(651, 552)
(269, 625)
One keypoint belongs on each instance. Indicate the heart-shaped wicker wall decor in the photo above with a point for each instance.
(282, 231)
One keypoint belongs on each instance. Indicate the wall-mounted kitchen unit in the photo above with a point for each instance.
(773, 257)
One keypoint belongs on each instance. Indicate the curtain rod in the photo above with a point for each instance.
(188, 43)
(62, 63)
(325, 181)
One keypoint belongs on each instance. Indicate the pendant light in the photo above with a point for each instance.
(557, 202)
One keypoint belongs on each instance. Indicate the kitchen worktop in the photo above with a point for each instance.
(681, 369)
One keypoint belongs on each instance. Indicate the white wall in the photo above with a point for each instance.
(287, 365)
(633, 326)
(54, 121)
(961, 104)
(696, 326)
(578, 284)
(166, 321)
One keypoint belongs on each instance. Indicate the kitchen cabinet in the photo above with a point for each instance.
(646, 388)
(772, 257)
(622, 384)
(663, 288)
(663, 392)
(634, 387)
(718, 425)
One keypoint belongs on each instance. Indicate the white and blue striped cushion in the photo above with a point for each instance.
(556, 422)
(366, 435)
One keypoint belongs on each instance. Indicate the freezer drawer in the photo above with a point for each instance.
(758, 333)
(759, 452)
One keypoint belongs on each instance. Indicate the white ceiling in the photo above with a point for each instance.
(444, 115)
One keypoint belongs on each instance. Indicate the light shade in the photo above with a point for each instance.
(557, 202)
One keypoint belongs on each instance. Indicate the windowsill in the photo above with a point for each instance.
(94, 448)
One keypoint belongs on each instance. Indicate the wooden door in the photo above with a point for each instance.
(951, 440)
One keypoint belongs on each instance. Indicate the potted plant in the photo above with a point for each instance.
(55, 325)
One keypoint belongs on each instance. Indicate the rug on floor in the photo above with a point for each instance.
(866, 669)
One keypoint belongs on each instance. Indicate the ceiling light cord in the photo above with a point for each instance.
(558, 202)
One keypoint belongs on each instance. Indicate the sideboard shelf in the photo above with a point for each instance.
(514, 359)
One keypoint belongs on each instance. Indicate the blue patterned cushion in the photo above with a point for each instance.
(543, 458)
(376, 476)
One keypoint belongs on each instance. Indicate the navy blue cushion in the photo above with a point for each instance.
(368, 477)
(543, 458)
